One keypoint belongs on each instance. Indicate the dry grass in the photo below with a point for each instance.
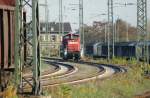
(119, 86)
(10, 92)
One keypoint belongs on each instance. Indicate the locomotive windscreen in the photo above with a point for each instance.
(71, 36)
(75, 36)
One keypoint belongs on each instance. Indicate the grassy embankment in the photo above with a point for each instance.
(124, 85)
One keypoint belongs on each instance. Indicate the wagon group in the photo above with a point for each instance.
(122, 49)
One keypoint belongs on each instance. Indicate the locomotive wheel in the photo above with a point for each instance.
(64, 58)
(76, 57)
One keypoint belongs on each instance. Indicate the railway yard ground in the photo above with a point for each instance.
(91, 78)
(128, 84)
(74, 49)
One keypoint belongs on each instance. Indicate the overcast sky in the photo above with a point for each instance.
(92, 9)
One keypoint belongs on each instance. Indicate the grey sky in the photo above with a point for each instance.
(92, 9)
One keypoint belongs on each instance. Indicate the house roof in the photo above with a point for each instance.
(54, 27)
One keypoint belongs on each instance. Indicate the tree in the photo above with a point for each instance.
(92, 35)
(124, 28)
(96, 33)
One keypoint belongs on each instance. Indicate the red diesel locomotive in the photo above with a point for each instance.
(70, 47)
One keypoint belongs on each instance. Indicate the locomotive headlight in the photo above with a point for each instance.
(65, 52)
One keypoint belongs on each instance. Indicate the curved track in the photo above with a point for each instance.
(76, 72)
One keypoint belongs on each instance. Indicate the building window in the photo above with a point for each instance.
(52, 29)
(46, 37)
(53, 38)
(52, 46)
(44, 29)
(42, 38)
(49, 37)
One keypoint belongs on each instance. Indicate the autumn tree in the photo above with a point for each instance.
(98, 31)
(125, 30)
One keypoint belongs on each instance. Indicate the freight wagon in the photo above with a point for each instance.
(121, 49)
(7, 32)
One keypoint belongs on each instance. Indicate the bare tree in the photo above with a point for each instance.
(96, 33)
(123, 30)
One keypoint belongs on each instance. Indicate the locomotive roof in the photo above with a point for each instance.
(7, 2)
(71, 34)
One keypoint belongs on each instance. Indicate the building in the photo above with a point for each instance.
(51, 37)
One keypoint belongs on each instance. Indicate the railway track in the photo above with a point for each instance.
(75, 72)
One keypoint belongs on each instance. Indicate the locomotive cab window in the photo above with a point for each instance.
(66, 37)
(75, 36)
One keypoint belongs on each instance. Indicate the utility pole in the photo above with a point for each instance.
(46, 16)
(117, 30)
(110, 27)
(127, 32)
(105, 32)
(142, 27)
(22, 29)
(81, 26)
(61, 27)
